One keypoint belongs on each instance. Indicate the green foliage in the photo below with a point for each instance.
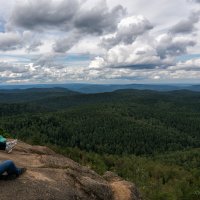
(157, 180)
(4, 133)
(114, 128)
(150, 138)
(187, 158)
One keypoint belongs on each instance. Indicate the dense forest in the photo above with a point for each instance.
(151, 138)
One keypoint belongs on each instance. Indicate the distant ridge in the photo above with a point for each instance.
(100, 88)
(33, 94)
(36, 89)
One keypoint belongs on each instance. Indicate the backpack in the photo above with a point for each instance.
(2, 139)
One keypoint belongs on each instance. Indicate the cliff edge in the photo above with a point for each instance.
(52, 176)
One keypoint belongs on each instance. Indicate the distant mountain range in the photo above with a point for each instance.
(100, 88)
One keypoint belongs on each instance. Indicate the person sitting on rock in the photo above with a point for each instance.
(7, 146)
(8, 170)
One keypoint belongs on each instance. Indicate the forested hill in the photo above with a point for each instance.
(151, 138)
(32, 94)
(124, 121)
(54, 99)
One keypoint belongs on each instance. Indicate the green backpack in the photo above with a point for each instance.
(2, 139)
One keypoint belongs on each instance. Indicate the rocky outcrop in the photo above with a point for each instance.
(122, 190)
(52, 176)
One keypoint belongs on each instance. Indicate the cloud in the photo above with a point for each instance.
(99, 19)
(10, 41)
(38, 14)
(12, 72)
(95, 21)
(46, 60)
(12, 68)
(197, 1)
(31, 41)
(144, 52)
(14, 41)
(188, 70)
(33, 46)
(186, 26)
(66, 15)
(129, 43)
(168, 45)
(128, 30)
(40, 72)
(189, 65)
(70, 17)
(131, 47)
(64, 44)
(135, 56)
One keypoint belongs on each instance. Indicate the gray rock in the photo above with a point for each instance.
(51, 176)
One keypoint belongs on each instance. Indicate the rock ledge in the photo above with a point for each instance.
(52, 176)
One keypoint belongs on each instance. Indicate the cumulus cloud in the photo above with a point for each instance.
(121, 43)
(13, 72)
(186, 26)
(10, 41)
(46, 60)
(34, 46)
(33, 14)
(128, 30)
(31, 41)
(168, 45)
(181, 71)
(197, 1)
(99, 19)
(13, 68)
(39, 71)
(189, 65)
(14, 40)
(67, 15)
(64, 44)
(135, 56)
(131, 48)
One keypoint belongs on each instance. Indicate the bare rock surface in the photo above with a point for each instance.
(52, 176)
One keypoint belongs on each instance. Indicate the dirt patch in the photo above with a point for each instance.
(121, 191)
(39, 176)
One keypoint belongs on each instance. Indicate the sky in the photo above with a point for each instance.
(99, 41)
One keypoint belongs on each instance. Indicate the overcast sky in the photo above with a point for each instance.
(99, 41)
